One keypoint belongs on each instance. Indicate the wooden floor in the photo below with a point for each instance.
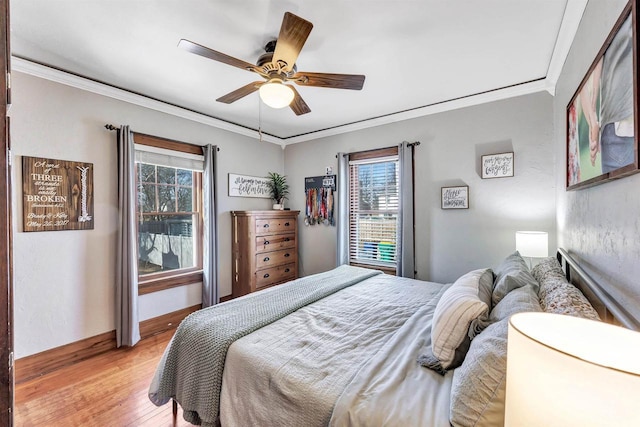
(106, 390)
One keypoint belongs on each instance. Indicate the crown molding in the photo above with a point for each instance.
(469, 101)
(62, 77)
(568, 28)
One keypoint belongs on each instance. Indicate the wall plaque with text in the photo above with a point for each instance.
(56, 194)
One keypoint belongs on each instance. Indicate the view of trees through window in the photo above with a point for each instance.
(374, 212)
(168, 218)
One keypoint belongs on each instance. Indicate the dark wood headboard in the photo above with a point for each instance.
(610, 310)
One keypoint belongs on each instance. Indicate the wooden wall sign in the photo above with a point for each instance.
(56, 195)
(249, 186)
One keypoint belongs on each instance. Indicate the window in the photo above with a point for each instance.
(373, 208)
(169, 213)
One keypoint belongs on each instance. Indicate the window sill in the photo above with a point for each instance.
(160, 284)
(384, 269)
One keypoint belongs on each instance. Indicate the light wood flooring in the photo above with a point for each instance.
(107, 390)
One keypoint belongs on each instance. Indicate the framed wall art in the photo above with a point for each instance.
(497, 165)
(602, 117)
(455, 197)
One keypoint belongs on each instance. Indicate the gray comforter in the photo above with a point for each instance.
(360, 343)
(191, 368)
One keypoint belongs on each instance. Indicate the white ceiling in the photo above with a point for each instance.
(418, 56)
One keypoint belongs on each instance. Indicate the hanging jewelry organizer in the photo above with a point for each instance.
(320, 191)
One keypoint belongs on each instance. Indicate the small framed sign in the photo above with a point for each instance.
(497, 165)
(248, 186)
(455, 197)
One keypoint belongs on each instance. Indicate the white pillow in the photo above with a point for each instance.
(461, 313)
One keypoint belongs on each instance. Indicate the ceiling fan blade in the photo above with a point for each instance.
(293, 35)
(298, 105)
(215, 55)
(240, 93)
(336, 81)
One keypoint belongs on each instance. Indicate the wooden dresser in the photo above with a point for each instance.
(264, 249)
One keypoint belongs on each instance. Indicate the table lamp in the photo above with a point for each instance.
(568, 371)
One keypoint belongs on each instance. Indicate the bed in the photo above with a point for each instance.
(354, 346)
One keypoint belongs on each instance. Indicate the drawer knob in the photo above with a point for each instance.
(266, 226)
(266, 242)
(266, 259)
(286, 255)
(266, 276)
(286, 239)
(286, 224)
(286, 270)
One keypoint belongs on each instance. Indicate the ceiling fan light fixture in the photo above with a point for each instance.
(275, 94)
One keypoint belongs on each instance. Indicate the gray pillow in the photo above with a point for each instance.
(479, 384)
(516, 301)
(511, 274)
(461, 313)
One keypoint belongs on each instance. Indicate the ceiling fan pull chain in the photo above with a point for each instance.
(259, 120)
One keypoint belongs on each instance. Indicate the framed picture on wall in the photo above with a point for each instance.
(602, 117)
(497, 165)
(455, 197)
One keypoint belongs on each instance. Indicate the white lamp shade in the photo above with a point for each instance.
(276, 95)
(568, 371)
(532, 244)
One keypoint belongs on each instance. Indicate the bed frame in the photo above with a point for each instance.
(607, 307)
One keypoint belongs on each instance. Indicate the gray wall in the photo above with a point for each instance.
(599, 225)
(64, 280)
(452, 242)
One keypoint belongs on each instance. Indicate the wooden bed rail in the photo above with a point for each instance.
(607, 307)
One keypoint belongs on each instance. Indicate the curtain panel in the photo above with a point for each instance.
(406, 259)
(210, 294)
(342, 250)
(127, 322)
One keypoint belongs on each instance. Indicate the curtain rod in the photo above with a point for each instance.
(111, 127)
(410, 144)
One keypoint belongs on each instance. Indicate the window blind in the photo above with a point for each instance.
(169, 158)
(373, 211)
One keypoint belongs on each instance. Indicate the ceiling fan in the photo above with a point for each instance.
(278, 66)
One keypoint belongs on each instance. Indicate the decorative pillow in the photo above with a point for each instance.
(461, 312)
(479, 384)
(547, 268)
(560, 296)
(511, 274)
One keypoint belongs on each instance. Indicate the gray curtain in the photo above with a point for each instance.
(343, 209)
(405, 245)
(209, 242)
(127, 327)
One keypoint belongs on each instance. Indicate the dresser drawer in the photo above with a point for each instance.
(270, 259)
(277, 225)
(275, 242)
(281, 273)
